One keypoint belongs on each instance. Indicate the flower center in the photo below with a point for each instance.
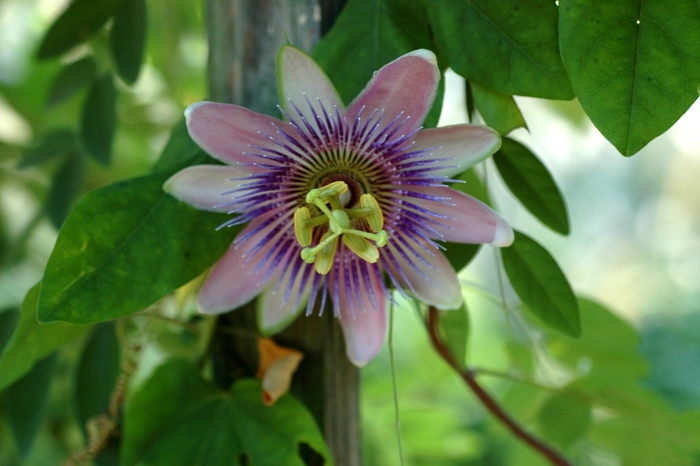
(339, 222)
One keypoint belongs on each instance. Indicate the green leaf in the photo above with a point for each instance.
(565, 417)
(75, 25)
(97, 372)
(509, 45)
(32, 342)
(125, 246)
(499, 110)
(27, 399)
(127, 38)
(635, 66)
(179, 150)
(65, 187)
(455, 325)
(530, 181)
(541, 285)
(609, 346)
(71, 78)
(368, 35)
(175, 402)
(99, 118)
(55, 144)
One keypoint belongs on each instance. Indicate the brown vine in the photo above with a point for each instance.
(489, 403)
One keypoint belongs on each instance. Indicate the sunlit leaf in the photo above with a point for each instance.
(175, 402)
(75, 25)
(509, 45)
(368, 35)
(71, 78)
(99, 118)
(635, 66)
(66, 185)
(26, 403)
(530, 181)
(499, 110)
(607, 353)
(565, 417)
(55, 144)
(97, 372)
(123, 247)
(541, 285)
(127, 38)
(455, 325)
(32, 342)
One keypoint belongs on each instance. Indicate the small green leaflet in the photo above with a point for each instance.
(498, 44)
(530, 181)
(32, 342)
(125, 246)
(26, 403)
(175, 402)
(66, 185)
(55, 144)
(70, 79)
(635, 66)
(127, 39)
(565, 417)
(499, 110)
(541, 285)
(455, 326)
(99, 119)
(75, 25)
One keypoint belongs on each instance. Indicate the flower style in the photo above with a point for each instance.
(336, 197)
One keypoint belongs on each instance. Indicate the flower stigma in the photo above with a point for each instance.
(339, 220)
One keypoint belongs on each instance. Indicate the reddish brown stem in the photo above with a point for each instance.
(492, 405)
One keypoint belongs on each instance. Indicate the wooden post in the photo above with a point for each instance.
(244, 36)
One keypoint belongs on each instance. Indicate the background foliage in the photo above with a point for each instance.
(89, 94)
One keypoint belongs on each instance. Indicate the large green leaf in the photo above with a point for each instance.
(541, 285)
(26, 403)
(97, 372)
(369, 34)
(509, 45)
(127, 38)
(32, 342)
(99, 118)
(530, 181)
(635, 66)
(75, 25)
(71, 78)
(123, 247)
(8, 321)
(499, 110)
(176, 418)
(179, 150)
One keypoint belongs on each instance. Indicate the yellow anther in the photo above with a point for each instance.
(325, 193)
(375, 218)
(325, 257)
(342, 221)
(302, 230)
(361, 247)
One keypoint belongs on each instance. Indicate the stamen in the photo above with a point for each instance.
(339, 220)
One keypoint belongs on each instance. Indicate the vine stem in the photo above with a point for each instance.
(491, 404)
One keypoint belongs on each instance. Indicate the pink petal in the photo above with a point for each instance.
(227, 131)
(365, 329)
(465, 145)
(468, 220)
(233, 280)
(299, 78)
(407, 84)
(436, 284)
(275, 309)
(202, 186)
